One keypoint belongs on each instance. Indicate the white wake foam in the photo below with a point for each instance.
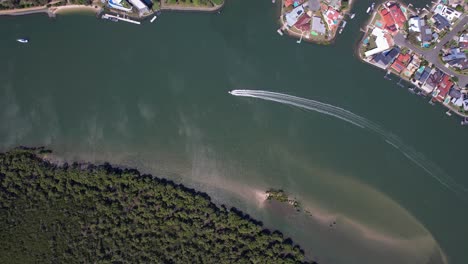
(417, 158)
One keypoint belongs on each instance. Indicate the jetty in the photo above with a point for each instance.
(111, 17)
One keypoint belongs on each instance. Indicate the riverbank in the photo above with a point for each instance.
(76, 8)
(115, 197)
(388, 43)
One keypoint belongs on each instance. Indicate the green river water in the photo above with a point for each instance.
(155, 97)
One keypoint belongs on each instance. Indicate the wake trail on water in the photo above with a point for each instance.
(417, 158)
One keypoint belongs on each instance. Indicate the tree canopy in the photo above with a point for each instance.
(88, 213)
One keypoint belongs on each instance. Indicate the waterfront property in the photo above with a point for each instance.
(378, 48)
(315, 20)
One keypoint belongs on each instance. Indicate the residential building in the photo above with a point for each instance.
(400, 63)
(434, 79)
(443, 87)
(382, 41)
(440, 22)
(332, 18)
(449, 13)
(303, 23)
(412, 66)
(385, 58)
(415, 24)
(318, 26)
(397, 15)
(388, 21)
(455, 54)
(426, 36)
(293, 16)
(139, 5)
(117, 4)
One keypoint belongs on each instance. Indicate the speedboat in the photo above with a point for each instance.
(230, 91)
(372, 6)
(368, 10)
(22, 40)
(352, 15)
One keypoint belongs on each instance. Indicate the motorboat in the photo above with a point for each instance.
(368, 10)
(22, 40)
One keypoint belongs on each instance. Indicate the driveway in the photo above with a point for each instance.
(432, 55)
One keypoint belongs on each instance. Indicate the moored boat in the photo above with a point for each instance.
(22, 40)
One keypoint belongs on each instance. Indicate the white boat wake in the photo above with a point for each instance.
(417, 158)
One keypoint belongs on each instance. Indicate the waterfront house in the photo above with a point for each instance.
(449, 13)
(140, 6)
(388, 21)
(382, 42)
(117, 4)
(443, 87)
(440, 22)
(400, 63)
(332, 18)
(433, 80)
(317, 26)
(412, 66)
(421, 75)
(386, 58)
(303, 23)
(397, 15)
(293, 16)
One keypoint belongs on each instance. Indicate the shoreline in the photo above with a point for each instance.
(75, 8)
(387, 69)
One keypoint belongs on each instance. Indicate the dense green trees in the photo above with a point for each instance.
(87, 213)
(11, 4)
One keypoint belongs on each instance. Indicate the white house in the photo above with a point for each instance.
(293, 16)
(415, 24)
(380, 41)
(139, 5)
(449, 13)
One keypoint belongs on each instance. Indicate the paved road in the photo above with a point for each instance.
(432, 55)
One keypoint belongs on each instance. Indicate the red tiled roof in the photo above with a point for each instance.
(388, 21)
(398, 15)
(444, 87)
(303, 23)
(398, 66)
(288, 2)
(404, 58)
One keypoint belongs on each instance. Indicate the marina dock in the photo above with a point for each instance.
(108, 16)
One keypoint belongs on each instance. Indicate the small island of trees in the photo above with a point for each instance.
(88, 213)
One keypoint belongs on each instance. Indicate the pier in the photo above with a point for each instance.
(108, 16)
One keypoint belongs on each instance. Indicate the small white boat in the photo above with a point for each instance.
(22, 40)
(273, 1)
(372, 6)
(368, 10)
(352, 15)
(154, 18)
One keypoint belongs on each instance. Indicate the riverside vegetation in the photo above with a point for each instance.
(88, 213)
